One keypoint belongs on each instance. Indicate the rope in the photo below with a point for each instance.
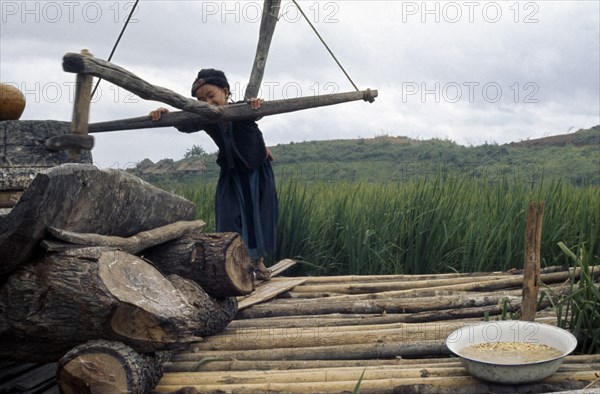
(326, 46)
(117, 43)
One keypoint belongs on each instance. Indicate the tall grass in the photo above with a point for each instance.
(432, 224)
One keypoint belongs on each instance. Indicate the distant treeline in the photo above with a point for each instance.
(573, 158)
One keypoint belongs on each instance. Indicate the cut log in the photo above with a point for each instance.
(82, 198)
(218, 262)
(102, 366)
(215, 314)
(49, 306)
(133, 244)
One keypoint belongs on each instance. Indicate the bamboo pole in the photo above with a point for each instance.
(574, 362)
(310, 375)
(387, 305)
(447, 384)
(531, 275)
(262, 365)
(336, 352)
(365, 287)
(515, 281)
(325, 336)
(341, 321)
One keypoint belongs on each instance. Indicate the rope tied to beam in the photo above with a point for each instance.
(327, 47)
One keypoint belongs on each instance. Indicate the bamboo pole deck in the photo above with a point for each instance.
(323, 334)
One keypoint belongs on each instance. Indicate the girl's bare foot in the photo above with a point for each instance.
(260, 271)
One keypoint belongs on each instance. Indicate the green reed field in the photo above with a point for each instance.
(428, 225)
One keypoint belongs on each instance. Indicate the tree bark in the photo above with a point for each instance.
(82, 198)
(102, 366)
(215, 314)
(218, 262)
(49, 306)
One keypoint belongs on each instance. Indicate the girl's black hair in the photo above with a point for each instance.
(210, 76)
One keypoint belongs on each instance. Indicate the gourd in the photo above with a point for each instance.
(12, 102)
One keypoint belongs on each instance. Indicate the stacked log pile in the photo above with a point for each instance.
(107, 275)
(386, 331)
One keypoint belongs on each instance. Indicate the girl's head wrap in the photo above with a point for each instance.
(209, 76)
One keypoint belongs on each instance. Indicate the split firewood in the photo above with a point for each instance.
(218, 262)
(82, 198)
(102, 366)
(133, 244)
(51, 305)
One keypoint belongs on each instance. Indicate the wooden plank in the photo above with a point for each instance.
(268, 290)
(281, 266)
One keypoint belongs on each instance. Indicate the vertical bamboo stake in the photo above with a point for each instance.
(81, 108)
(531, 274)
(267, 28)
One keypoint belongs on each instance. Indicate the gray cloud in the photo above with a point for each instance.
(457, 70)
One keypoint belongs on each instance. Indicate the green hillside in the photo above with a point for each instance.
(573, 157)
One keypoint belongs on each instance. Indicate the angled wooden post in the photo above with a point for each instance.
(269, 19)
(81, 108)
(531, 273)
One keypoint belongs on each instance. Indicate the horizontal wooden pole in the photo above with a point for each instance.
(69, 141)
(76, 63)
(232, 112)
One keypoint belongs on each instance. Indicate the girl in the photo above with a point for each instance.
(246, 200)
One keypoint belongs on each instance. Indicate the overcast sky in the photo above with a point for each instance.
(469, 71)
